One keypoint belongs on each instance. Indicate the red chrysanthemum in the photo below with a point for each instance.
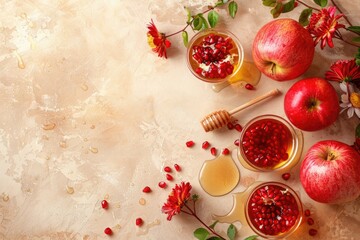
(323, 26)
(344, 70)
(176, 200)
(157, 40)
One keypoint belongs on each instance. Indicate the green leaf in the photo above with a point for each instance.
(277, 10)
(198, 22)
(212, 226)
(356, 39)
(213, 18)
(185, 38)
(289, 6)
(201, 233)
(231, 232)
(188, 14)
(214, 238)
(304, 16)
(233, 7)
(269, 3)
(205, 24)
(225, 1)
(357, 57)
(253, 237)
(354, 29)
(219, 3)
(321, 3)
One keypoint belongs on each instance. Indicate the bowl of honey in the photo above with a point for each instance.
(214, 55)
(269, 142)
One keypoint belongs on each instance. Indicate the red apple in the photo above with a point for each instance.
(283, 49)
(311, 104)
(330, 172)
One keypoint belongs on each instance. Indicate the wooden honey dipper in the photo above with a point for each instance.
(221, 118)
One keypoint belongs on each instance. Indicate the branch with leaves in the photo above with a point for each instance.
(209, 18)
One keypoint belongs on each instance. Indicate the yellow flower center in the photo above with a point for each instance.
(355, 99)
(150, 41)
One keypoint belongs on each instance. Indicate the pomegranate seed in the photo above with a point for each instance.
(248, 86)
(237, 142)
(167, 169)
(190, 143)
(238, 127)
(307, 212)
(225, 151)
(265, 143)
(177, 167)
(104, 204)
(108, 231)
(272, 210)
(230, 126)
(213, 151)
(162, 184)
(146, 189)
(286, 176)
(296, 4)
(205, 145)
(312, 232)
(169, 177)
(310, 221)
(139, 222)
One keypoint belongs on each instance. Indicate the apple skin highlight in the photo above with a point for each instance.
(330, 171)
(283, 49)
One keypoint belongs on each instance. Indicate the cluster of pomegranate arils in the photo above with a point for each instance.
(212, 52)
(273, 210)
(266, 142)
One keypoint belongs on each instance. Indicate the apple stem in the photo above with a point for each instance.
(273, 65)
(330, 156)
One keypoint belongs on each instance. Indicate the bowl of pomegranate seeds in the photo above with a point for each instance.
(268, 143)
(214, 55)
(273, 210)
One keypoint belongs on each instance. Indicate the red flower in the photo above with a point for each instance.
(343, 70)
(176, 200)
(323, 26)
(157, 40)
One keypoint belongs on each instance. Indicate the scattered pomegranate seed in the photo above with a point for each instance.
(190, 143)
(296, 4)
(205, 145)
(139, 222)
(169, 177)
(310, 221)
(307, 212)
(286, 176)
(162, 184)
(104, 204)
(108, 231)
(167, 169)
(272, 210)
(213, 151)
(238, 127)
(146, 189)
(237, 142)
(248, 86)
(312, 232)
(177, 167)
(225, 151)
(230, 126)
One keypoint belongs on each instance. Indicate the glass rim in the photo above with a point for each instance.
(221, 31)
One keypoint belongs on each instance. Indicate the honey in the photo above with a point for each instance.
(219, 176)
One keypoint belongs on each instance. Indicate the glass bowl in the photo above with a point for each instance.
(273, 210)
(269, 143)
(214, 55)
